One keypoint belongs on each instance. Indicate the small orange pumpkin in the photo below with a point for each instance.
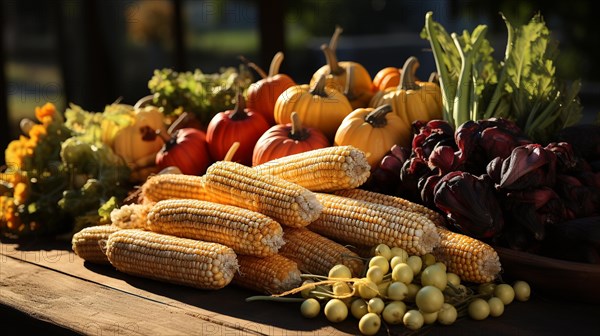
(263, 94)
(288, 139)
(318, 106)
(412, 100)
(374, 131)
(238, 125)
(386, 78)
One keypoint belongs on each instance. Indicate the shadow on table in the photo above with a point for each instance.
(230, 301)
(38, 243)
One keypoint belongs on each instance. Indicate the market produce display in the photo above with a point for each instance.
(382, 198)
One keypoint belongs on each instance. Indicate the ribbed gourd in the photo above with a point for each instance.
(374, 131)
(318, 106)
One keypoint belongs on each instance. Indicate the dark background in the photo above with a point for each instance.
(94, 52)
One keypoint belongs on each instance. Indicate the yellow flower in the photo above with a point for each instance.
(37, 132)
(46, 113)
(16, 151)
(20, 193)
(11, 218)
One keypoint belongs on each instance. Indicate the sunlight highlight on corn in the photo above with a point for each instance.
(398, 202)
(364, 223)
(235, 184)
(169, 186)
(325, 169)
(87, 243)
(247, 232)
(176, 260)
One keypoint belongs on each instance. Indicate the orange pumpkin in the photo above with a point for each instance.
(288, 139)
(318, 106)
(337, 74)
(263, 94)
(238, 125)
(374, 131)
(412, 100)
(386, 78)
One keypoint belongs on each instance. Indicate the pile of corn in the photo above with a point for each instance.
(261, 227)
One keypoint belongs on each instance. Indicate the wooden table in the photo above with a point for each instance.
(46, 289)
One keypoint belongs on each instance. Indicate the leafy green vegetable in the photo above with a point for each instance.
(196, 92)
(522, 87)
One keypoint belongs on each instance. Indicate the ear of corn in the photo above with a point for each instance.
(171, 259)
(471, 259)
(169, 186)
(364, 223)
(87, 243)
(316, 254)
(393, 201)
(131, 216)
(247, 232)
(235, 184)
(326, 169)
(274, 274)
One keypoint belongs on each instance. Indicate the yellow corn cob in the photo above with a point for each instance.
(176, 260)
(274, 274)
(245, 231)
(471, 259)
(398, 202)
(87, 243)
(235, 184)
(169, 186)
(327, 169)
(364, 223)
(131, 216)
(316, 254)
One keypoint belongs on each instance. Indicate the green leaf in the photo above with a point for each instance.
(106, 208)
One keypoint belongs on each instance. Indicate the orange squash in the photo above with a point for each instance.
(337, 74)
(318, 106)
(238, 125)
(374, 131)
(263, 94)
(288, 139)
(412, 100)
(386, 78)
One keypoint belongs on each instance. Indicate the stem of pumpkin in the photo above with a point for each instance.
(349, 83)
(297, 132)
(175, 125)
(143, 101)
(239, 112)
(407, 78)
(334, 68)
(231, 152)
(319, 87)
(335, 37)
(253, 65)
(376, 118)
(275, 64)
